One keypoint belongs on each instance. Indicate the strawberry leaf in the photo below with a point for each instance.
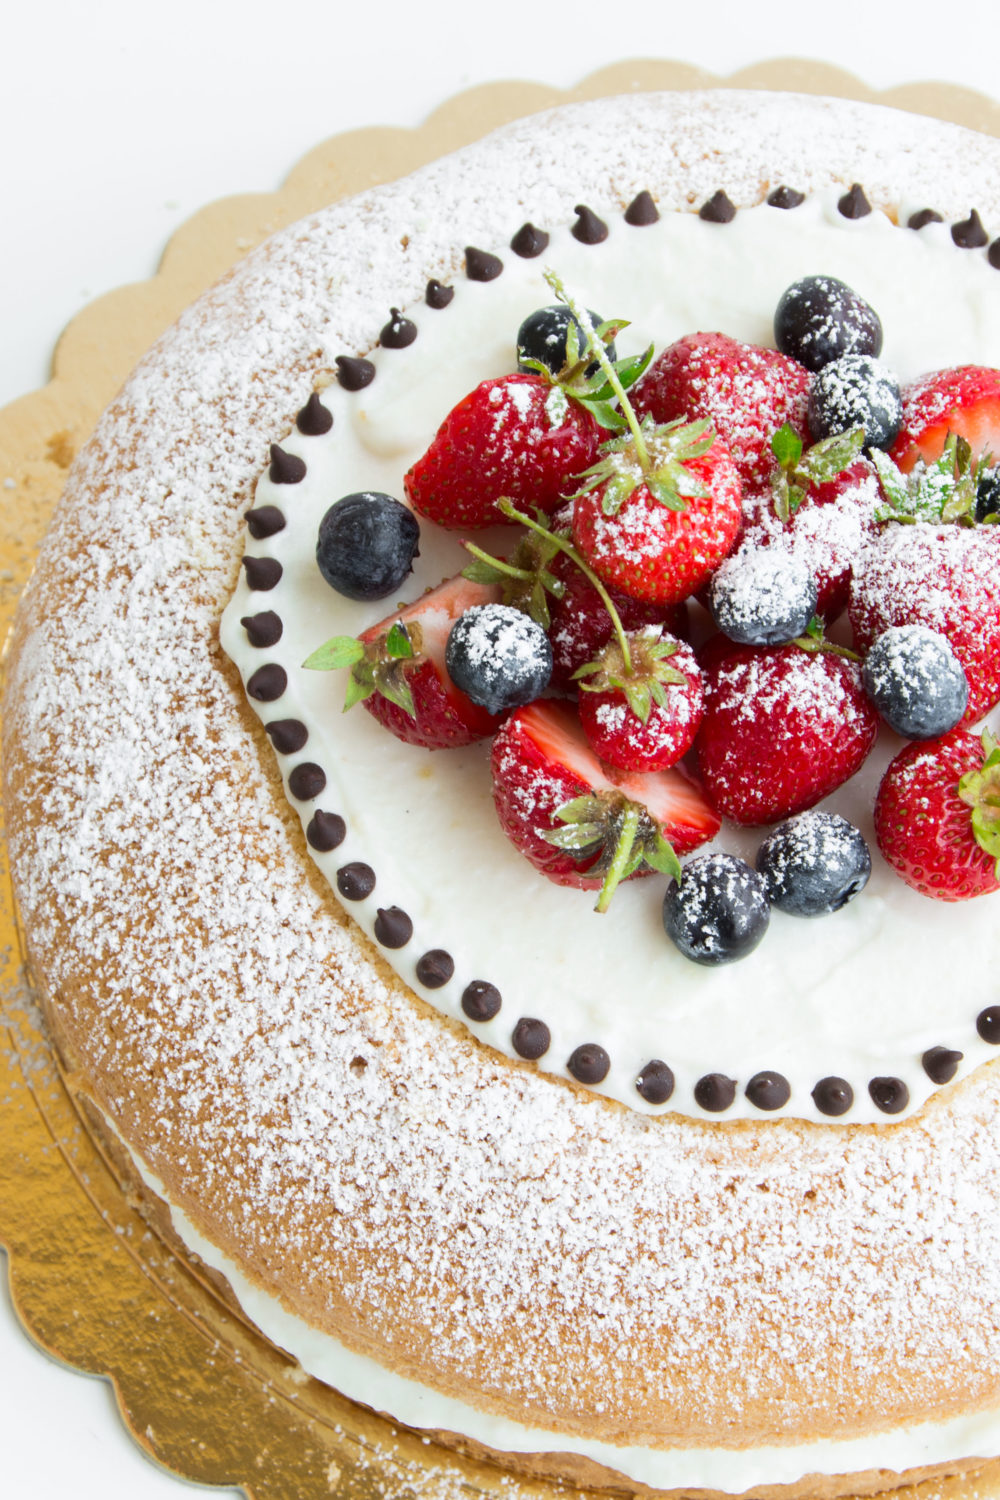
(830, 457)
(358, 689)
(786, 445)
(660, 854)
(339, 651)
(397, 642)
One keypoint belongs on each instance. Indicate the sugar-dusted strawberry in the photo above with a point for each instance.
(783, 727)
(580, 625)
(642, 714)
(965, 401)
(398, 670)
(507, 438)
(746, 392)
(578, 826)
(937, 816)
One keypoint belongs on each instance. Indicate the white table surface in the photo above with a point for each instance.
(119, 119)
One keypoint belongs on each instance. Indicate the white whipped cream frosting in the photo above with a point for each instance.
(859, 994)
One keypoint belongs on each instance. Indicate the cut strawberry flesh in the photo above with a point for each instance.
(965, 400)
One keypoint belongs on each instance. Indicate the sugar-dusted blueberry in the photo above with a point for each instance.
(763, 596)
(819, 318)
(988, 494)
(499, 657)
(366, 546)
(542, 336)
(814, 864)
(719, 912)
(856, 391)
(916, 682)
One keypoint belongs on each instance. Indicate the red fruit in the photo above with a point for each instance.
(746, 392)
(927, 829)
(945, 577)
(443, 717)
(655, 553)
(965, 400)
(541, 761)
(783, 728)
(580, 625)
(616, 730)
(500, 442)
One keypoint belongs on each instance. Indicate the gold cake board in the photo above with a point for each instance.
(199, 1389)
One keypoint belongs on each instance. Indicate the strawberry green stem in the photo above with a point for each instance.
(501, 565)
(598, 351)
(623, 854)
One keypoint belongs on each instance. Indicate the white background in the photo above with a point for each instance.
(118, 119)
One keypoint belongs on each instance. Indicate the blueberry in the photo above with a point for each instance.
(719, 912)
(542, 336)
(856, 391)
(814, 864)
(988, 494)
(366, 546)
(916, 682)
(498, 657)
(763, 596)
(819, 319)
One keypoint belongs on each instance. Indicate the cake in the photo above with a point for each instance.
(447, 1227)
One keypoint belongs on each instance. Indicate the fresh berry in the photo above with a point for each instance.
(498, 657)
(718, 912)
(578, 826)
(366, 545)
(819, 318)
(916, 682)
(508, 439)
(965, 401)
(856, 391)
(814, 864)
(660, 549)
(580, 625)
(783, 727)
(642, 716)
(543, 337)
(937, 816)
(746, 393)
(763, 596)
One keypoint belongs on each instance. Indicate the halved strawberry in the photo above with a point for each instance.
(575, 820)
(965, 400)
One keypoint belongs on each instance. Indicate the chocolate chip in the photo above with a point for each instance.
(531, 1038)
(715, 1092)
(264, 521)
(941, 1064)
(438, 295)
(719, 209)
(435, 968)
(588, 229)
(287, 735)
(890, 1095)
(589, 1063)
(922, 217)
(354, 374)
(480, 265)
(314, 419)
(768, 1090)
(355, 881)
(655, 1083)
(307, 781)
(833, 1096)
(480, 1000)
(285, 468)
(785, 197)
(993, 255)
(642, 210)
(263, 629)
(326, 831)
(399, 332)
(988, 1025)
(969, 233)
(854, 205)
(393, 928)
(267, 683)
(262, 572)
(529, 241)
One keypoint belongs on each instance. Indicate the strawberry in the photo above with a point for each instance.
(643, 715)
(576, 823)
(398, 670)
(746, 392)
(937, 816)
(579, 624)
(965, 401)
(783, 727)
(517, 437)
